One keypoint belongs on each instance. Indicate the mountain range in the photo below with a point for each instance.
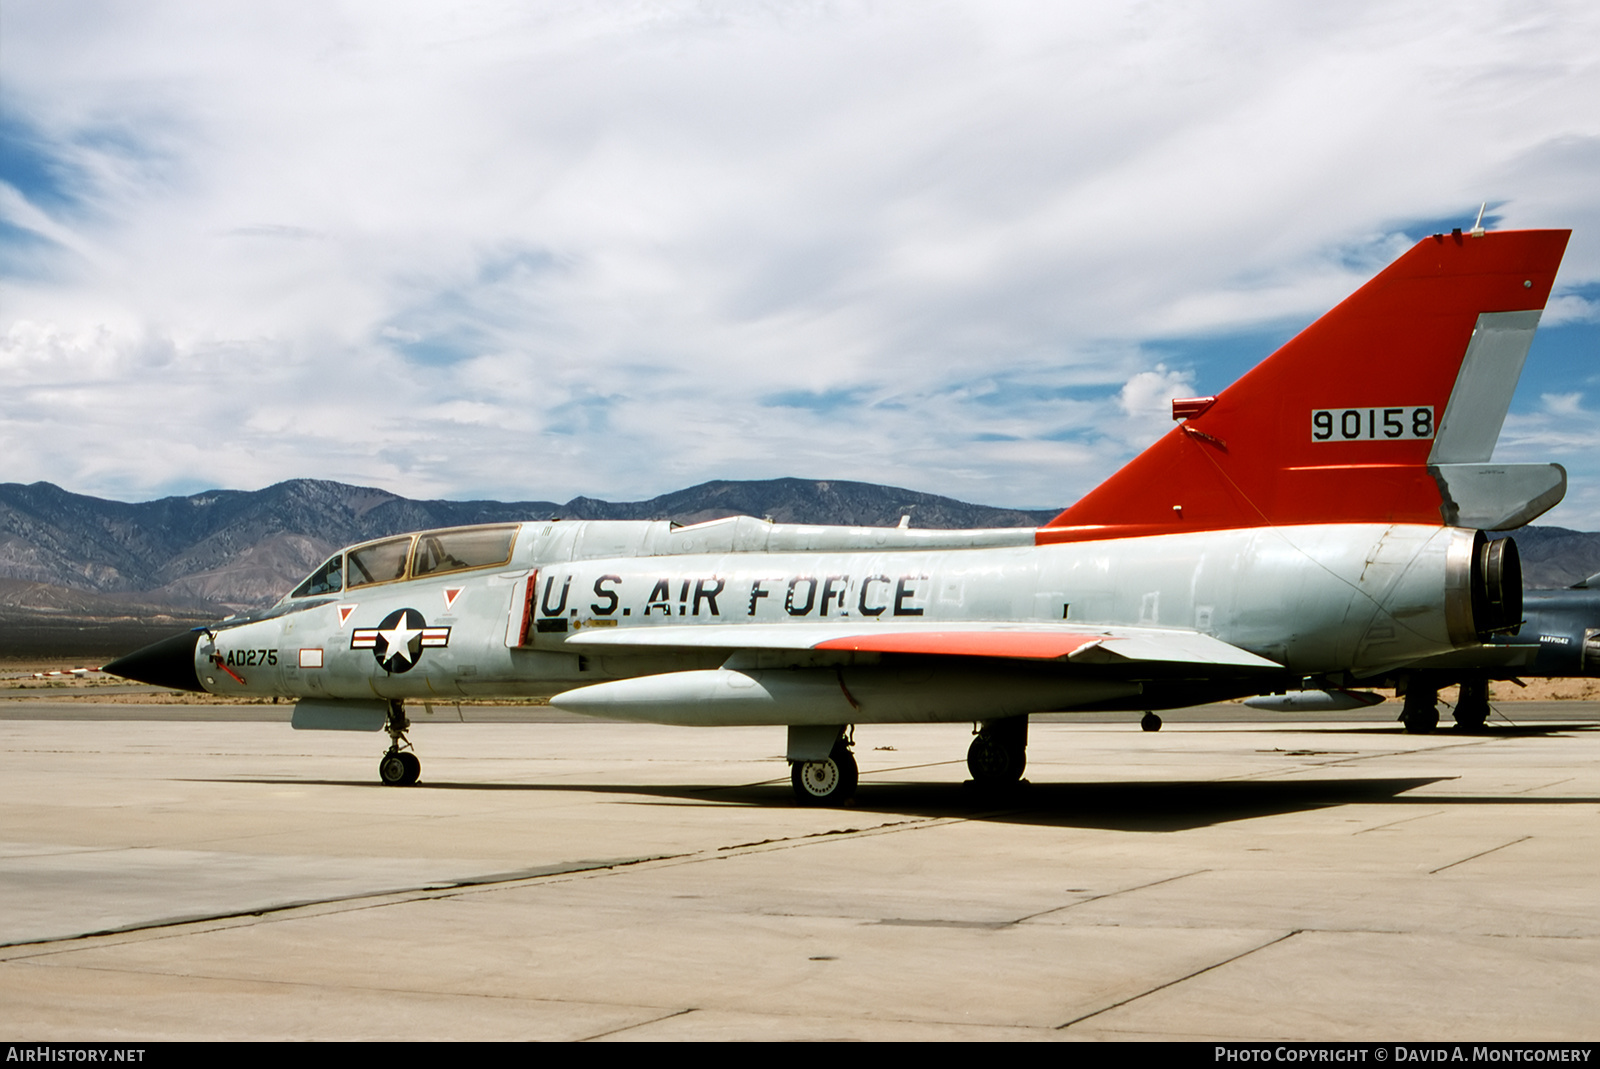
(230, 549)
(72, 561)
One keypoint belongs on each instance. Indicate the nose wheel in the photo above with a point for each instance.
(398, 768)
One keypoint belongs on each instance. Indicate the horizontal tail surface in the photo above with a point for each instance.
(1384, 410)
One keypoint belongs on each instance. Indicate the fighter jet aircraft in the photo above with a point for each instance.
(1559, 638)
(1319, 518)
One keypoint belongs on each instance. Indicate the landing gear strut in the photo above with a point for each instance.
(1421, 712)
(831, 781)
(398, 768)
(999, 753)
(1472, 707)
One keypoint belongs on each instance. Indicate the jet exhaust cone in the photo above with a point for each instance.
(168, 663)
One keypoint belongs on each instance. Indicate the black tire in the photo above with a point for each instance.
(399, 769)
(1421, 712)
(1472, 708)
(1150, 722)
(828, 782)
(995, 763)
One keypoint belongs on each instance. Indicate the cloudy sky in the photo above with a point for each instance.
(539, 250)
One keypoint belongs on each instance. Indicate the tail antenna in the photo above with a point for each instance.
(1477, 227)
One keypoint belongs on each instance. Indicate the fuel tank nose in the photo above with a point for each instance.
(168, 663)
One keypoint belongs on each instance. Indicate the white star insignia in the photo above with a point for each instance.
(399, 639)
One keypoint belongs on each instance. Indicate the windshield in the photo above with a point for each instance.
(328, 579)
(437, 553)
(380, 562)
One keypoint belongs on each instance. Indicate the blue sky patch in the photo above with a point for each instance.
(519, 263)
(1218, 360)
(435, 352)
(30, 164)
(445, 331)
(589, 413)
(1562, 359)
(1015, 393)
(823, 402)
(26, 255)
(460, 322)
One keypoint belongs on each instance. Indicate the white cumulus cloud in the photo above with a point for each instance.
(537, 251)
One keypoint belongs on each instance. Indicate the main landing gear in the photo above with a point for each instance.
(999, 752)
(830, 781)
(823, 768)
(398, 768)
(1472, 706)
(1420, 714)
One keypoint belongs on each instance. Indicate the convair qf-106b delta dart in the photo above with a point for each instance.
(1315, 524)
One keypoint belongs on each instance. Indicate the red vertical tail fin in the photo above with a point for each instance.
(1384, 410)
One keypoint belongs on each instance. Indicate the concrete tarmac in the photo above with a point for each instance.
(230, 878)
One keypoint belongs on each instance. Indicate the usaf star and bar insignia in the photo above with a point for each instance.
(398, 642)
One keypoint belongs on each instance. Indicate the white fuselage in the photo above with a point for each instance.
(622, 600)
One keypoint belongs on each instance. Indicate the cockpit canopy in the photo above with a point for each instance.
(413, 556)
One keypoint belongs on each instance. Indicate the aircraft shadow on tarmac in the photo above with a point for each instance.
(1487, 731)
(1143, 806)
(1147, 806)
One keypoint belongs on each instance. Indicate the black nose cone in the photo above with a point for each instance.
(168, 663)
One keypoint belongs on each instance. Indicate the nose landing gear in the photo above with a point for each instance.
(398, 768)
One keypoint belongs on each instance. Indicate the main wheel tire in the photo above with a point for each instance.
(1472, 707)
(1150, 722)
(994, 763)
(831, 781)
(399, 769)
(1420, 717)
